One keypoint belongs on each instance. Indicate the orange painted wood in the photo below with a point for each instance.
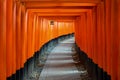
(9, 38)
(103, 36)
(108, 36)
(3, 40)
(18, 36)
(94, 40)
(59, 18)
(14, 40)
(103, 41)
(59, 14)
(60, 1)
(33, 34)
(57, 10)
(100, 34)
(23, 31)
(24, 36)
(41, 31)
(52, 5)
(36, 35)
(30, 35)
(114, 39)
(119, 40)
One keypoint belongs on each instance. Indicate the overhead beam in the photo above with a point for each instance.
(72, 1)
(59, 17)
(57, 10)
(58, 14)
(57, 5)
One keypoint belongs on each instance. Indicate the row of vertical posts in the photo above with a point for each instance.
(97, 33)
(22, 33)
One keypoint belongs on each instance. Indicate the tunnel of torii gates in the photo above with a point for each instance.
(25, 27)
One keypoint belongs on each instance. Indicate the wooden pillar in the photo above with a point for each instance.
(119, 40)
(114, 38)
(89, 34)
(78, 30)
(94, 24)
(3, 39)
(56, 25)
(36, 34)
(14, 39)
(33, 33)
(83, 31)
(108, 35)
(24, 35)
(9, 37)
(39, 31)
(100, 34)
(18, 35)
(30, 35)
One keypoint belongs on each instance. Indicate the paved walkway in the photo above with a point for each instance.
(60, 64)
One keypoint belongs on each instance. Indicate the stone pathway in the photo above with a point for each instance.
(60, 64)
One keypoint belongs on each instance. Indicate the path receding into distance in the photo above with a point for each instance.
(60, 64)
